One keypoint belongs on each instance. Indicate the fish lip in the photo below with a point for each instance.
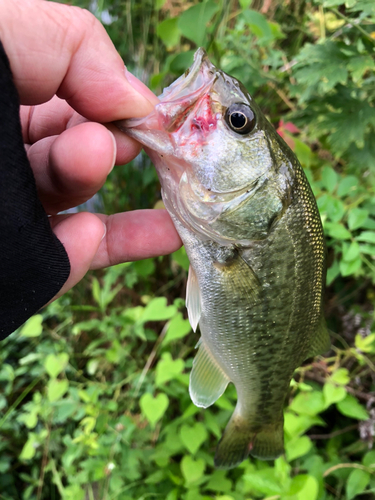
(176, 99)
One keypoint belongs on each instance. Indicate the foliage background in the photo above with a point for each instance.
(94, 390)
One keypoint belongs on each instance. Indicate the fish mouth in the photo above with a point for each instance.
(176, 101)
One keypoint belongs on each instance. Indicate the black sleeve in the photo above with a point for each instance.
(33, 263)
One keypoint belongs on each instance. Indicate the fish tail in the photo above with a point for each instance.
(240, 439)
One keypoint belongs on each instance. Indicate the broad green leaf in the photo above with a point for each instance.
(297, 447)
(264, 481)
(356, 218)
(347, 185)
(191, 469)
(337, 231)
(356, 483)
(329, 179)
(308, 403)
(33, 326)
(350, 252)
(333, 272)
(181, 258)
(359, 65)
(304, 487)
(369, 459)
(178, 328)
(168, 31)
(56, 363)
(295, 425)
(368, 236)
(56, 389)
(333, 394)
(167, 369)
(181, 61)
(257, 23)
(153, 408)
(340, 376)
(144, 267)
(30, 447)
(193, 21)
(193, 436)
(365, 344)
(220, 483)
(157, 310)
(348, 268)
(350, 407)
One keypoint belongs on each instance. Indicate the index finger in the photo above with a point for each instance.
(64, 50)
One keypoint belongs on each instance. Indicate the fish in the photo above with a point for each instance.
(247, 216)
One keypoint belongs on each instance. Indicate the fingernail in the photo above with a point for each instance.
(105, 232)
(141, 87)
(114, 151)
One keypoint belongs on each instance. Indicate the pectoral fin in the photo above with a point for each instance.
(207, 379)
(240, 279)
(193, 299)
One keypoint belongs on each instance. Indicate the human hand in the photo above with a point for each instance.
(71, 80)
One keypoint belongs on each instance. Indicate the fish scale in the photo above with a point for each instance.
(251, 228)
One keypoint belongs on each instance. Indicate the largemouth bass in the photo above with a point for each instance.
(249, 221)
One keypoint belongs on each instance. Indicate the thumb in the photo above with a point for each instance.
(64, 50)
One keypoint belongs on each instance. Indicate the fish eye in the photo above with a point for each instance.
(240, 118)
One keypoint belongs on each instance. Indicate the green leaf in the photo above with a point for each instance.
(295, 425)
(333, 394)
(350, 252)
(153, 408)
(181, 258)
(264, 481)
(308, 403)
(157, 310)
(365, 344)
(333, 272)
(193, 436)
(347, 185)
(220, 483)
(168, 32)
(55, 364)
(33, 326)
(56, 389)
(348, 268)
(297, 447)
(304, 487)
(337, 231)
(30, 447)
(356, 218)
(178, 328)
(350, 407)
(369, 459)
(329, 179)
(340, 376)
(168, 369)
(191, 469)
(368, 236)
(357, 481)
(257, 23)
(193, 21)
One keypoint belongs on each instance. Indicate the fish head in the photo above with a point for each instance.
(209, 142)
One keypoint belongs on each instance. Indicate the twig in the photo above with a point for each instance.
(348, 466)
(282, 96)
(355, 392)
(44, 463)
(151, 359)
(333, 434)
(352, 23)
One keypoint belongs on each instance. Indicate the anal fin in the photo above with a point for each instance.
(193, 299)
(207, 379)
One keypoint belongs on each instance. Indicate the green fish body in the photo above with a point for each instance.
(251, 228)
